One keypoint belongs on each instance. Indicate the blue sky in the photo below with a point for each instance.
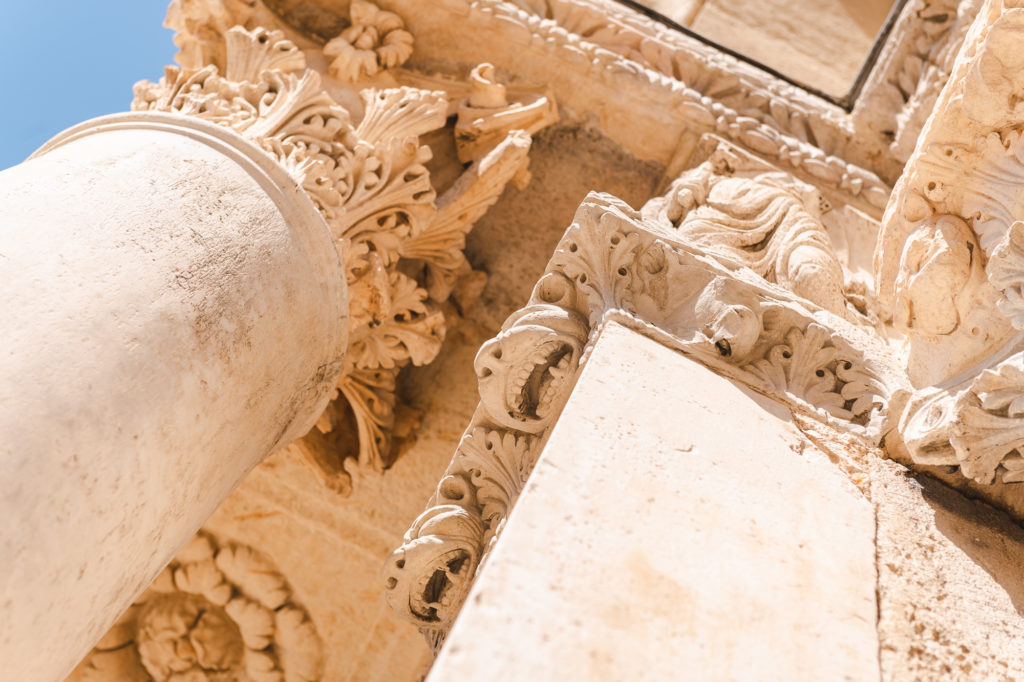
(65, 61)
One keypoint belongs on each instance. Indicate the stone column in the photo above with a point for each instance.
(174, 309)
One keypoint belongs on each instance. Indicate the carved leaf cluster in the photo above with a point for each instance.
(375, 40)
(402, 249)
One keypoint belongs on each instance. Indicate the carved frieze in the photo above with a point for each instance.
(219, 611)
(614, 263)
(912, 69)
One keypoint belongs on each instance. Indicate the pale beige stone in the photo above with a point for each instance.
(756, 264)
(950, 589)
(680, 11)
(673, 523)
(189, 337)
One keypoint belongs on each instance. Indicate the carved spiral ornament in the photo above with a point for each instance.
(218, 613)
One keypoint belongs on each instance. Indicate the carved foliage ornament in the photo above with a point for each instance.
(374, 41)
(402, 249)
(218, 613)
(712, 92)
(759, 218)
(612, 262)
(951, 254)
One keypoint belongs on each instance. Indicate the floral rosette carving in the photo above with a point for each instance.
(215, 614)
(375, 40)
(401, 244)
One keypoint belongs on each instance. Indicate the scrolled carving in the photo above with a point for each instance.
(611, 263)
(978, 425)
(401, 244)
(219, 612)
(808, 366)
(486, 117)
(428, 577)
(950, 260)
(524, 372)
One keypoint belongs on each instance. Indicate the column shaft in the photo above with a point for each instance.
(174, 309)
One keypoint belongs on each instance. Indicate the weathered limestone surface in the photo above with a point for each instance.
(355, 98)
(950, 588)
(673, 523)
(174, 310)
(331, 548)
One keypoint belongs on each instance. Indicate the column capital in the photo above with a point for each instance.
(364, 168)
(950, 260)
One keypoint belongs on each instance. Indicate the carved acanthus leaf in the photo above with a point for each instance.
(404, 328)
(440, 243)
(371, 185)
(610, 264)
(601, 266)
(978, 426)
(990, 420)
(400, 113)
(499, 464)
(808, 367)
(371, 395)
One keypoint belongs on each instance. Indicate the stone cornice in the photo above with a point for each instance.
(686, 86)
(614, 263)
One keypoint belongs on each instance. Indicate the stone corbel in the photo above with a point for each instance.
(613, 263)
(950, 260)
(401, 245)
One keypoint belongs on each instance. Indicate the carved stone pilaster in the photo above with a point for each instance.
(641, 271)
(366, 173)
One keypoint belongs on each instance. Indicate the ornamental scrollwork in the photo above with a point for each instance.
(950, 262)
(615, 262)
(401, 244)
(218, 612)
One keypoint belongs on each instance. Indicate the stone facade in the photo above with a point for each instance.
(522, 339)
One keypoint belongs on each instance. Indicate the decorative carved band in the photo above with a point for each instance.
(641, 270)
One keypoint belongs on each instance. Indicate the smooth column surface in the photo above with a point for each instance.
(676, 527)
(173, 309)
